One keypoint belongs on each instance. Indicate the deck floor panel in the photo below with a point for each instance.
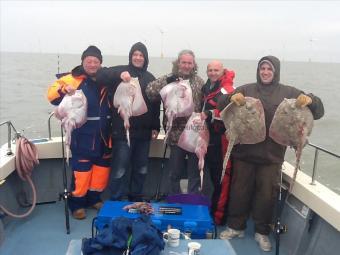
(44, 232)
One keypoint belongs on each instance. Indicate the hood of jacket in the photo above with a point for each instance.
(142, 48)
(276, 64)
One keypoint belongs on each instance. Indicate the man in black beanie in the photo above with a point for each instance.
(94, 52)
(89, 143)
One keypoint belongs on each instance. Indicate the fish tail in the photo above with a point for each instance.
(200, 163)
(67, 154)
(297, 166)
(128, 136)
(226, 158)
(201, 175)
(168, 128)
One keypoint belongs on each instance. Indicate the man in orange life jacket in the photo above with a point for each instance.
(90, 143)
(220, 81)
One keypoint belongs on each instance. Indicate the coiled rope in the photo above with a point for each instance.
(26, 157)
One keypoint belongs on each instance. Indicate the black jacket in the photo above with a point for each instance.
(216, 127)
(140, 126)
(271, 95)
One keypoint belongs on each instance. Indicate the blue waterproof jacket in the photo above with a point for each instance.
(93, 139)
(140, 234)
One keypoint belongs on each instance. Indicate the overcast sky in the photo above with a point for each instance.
(292, 30)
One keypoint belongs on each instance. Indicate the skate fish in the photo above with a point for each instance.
(244, 124)
(291, 126)
(72, 111)
(195, 139)
(129, 100)
(177, 101)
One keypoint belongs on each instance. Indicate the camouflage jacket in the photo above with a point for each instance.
(178, 125)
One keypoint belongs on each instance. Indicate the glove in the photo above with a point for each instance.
(303, 101)
(238, 99)
(68, 89)
(172, 78)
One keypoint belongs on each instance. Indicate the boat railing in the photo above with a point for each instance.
(49, 126)
(316, 157)
(9, 135)
(315, 160)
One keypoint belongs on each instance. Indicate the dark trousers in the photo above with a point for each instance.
(177, 164)
(253, 190)
(123, 157)
(214, 162)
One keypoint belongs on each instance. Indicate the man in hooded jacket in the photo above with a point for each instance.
(257, 166)
(142, 128)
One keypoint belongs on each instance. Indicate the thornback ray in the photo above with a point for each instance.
(244, 124)
(291, 126)
(195, 139)
(72, 111)
(178, 102)
(129, 100)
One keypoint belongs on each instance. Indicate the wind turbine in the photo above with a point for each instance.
(162, 37)
(311, 41)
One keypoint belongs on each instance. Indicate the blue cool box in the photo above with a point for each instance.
(193, 218)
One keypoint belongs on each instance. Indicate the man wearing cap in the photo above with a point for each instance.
(90, 143)
(256, 167)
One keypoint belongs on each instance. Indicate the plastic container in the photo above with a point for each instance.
(187, 218)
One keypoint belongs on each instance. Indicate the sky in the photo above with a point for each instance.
(291, 30)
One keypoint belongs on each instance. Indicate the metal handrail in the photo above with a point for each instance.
(316, 156)
(10, 127)
(49, 126)
(9, 135)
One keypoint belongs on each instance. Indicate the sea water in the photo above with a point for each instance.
(25, 77)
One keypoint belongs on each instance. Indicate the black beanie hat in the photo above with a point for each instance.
(92, 51)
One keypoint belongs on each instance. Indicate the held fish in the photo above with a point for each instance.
(72, 111)
(195, 139)
(129, 100)
(177, 101)
(244, 124)
(291, 126)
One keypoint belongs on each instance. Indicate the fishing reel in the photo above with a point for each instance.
(64, 195)
(280, 228)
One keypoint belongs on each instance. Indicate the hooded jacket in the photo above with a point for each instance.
(140, 126)
(271, 95)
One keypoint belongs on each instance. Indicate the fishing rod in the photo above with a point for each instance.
(158, 196)
(65, 194)
(279, 228)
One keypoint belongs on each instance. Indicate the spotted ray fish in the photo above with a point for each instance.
(129, 100)
(177, 101)
(195, 139)
(244, 124)
(72, 111)
(291, 126)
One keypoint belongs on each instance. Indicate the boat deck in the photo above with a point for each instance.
(44, 232)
